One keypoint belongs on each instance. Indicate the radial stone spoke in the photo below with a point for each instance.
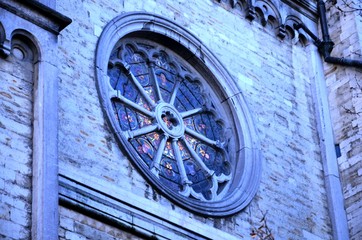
(202, 137)
(180, 164)
(142, 131)
(191, 112)
(157, 159)
(133, 105)
(140, 88)
(174, 92)
(197, 158)
(154, 79)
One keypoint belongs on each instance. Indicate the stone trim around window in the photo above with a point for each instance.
(243, 151)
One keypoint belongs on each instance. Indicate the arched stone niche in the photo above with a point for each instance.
(244, 151)
(23, 46)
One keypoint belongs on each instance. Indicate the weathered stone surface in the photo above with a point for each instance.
(16, 106)
(270, 63)
(345, 97)
(270, 75)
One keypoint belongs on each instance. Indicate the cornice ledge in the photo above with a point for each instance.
(306, 7)
(38, 14)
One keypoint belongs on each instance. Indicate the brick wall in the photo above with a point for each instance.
(16, 106)
(345, 96)
(76, 226)
(272, 74)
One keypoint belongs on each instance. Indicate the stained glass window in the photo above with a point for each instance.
(178, 115)
(166, 113)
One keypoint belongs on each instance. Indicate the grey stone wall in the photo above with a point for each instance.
(76, 226)
(16, 116)
(28, 133)
(276, 80)
(345, 96)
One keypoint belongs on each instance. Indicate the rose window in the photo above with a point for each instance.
(165, 114)
(178, 115)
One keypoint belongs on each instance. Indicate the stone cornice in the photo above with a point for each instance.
(307, 7)
(281, 15)
(37, 13)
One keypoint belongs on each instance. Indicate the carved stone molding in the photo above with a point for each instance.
(282, 16)
(141, 218)
(37, 13)
(5, 46)
(306, 7)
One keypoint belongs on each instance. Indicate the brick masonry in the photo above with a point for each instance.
(272, 74)
(16, 106)
(76, 226)
(345, 96)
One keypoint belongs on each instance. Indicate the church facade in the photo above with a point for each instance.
(161, 119)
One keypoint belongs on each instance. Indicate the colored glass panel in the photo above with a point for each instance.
(169, 173)
(149, 123)
(144, 149)
(166, 83)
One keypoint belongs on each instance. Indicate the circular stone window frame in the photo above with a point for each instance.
(246, 176)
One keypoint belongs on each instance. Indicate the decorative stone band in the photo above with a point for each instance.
(281, 15)
(142, 218)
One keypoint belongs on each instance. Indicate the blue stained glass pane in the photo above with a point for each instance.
(144, 149)
(142, 102)
(192, 141)
(129, 119)
(179, 104)
(166, 82)
(195, 89)
(143, 121)
(169, 173)
(141, 74)
(114, 54)
(193, 171)
(184, 101)
(174, 185)
(221, 165)
(200, 125)
(183, 151)
(114, 75)
(170, 168)
(217, 129)
(135, 58)
(168, 151)
(208, 127)
(126, 117)
(207, 154)
(173, 69)
(189, 123)
(162, 61)
(189, 94)
(151, 93)
(118, 79)
(128, 54)
(130, 92)
(154, 138)
(203, 187)
(138, 67)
